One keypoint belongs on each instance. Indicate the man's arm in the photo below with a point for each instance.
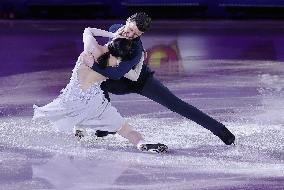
(123, 67)
(134, 74)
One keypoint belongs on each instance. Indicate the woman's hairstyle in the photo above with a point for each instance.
(119, 48)
(142, 21)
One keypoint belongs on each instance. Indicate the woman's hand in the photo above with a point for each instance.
(119, 33)
(87, 59)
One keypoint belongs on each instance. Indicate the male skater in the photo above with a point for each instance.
(147, 85)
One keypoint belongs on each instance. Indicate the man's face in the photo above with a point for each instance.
(130, 30)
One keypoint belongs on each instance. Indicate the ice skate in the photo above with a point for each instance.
(100, 133)
(156, 148)
(79, 134)
(226, 136)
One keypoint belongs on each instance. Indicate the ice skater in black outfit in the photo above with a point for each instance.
(147, 85)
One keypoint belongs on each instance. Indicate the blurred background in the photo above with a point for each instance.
(185, 37)
(160, 9)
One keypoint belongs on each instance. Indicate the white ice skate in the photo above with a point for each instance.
(80, 133)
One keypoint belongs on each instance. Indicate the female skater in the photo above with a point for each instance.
(82, 102)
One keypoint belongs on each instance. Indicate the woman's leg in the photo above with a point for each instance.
(130, 134)
(136, 138)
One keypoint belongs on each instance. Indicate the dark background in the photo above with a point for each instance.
(158, 9)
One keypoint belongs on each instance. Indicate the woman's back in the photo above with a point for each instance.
(86, 76)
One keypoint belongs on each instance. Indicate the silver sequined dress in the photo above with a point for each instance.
(89, 108)
(77, 108)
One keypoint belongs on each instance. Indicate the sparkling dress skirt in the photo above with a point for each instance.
(77, 108)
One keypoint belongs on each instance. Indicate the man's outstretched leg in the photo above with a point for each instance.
(156, 91)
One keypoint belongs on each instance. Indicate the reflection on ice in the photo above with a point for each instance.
(272, 91)
(48, 159)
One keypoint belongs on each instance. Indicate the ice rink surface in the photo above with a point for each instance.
(244, 92)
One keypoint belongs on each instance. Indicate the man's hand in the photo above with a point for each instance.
(145, 54)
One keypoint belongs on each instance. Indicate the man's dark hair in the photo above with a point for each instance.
(142, 21)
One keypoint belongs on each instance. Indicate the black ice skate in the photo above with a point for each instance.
(226, 136)
(100, 133)
(158, 148)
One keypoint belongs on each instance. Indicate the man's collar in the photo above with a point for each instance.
(136, 39)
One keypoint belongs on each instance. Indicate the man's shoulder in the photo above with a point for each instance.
(115, 27)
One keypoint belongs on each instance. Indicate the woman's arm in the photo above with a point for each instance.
(88, 37)
(102, 33)
(134, 74)
(89, 41)
(124, 66)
